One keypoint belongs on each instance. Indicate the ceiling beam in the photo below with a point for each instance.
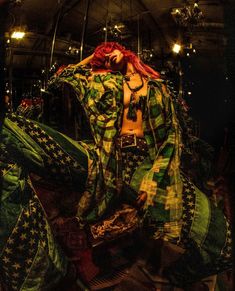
(25, 51)
(62, 10)
(152, 22)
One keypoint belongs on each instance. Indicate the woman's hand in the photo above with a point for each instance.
(86, 61)
(141, 198)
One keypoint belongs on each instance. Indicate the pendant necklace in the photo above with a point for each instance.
(134, 104)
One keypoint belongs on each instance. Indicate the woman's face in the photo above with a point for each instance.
(114, 60)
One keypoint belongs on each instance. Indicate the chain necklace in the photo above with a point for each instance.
(128, 76)
(134, 104)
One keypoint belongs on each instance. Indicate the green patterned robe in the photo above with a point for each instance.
(30, 259)
(180, 212)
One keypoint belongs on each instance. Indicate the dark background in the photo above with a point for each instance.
(147, 27)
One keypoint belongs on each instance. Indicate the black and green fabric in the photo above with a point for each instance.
(30, 259)
(180, 213)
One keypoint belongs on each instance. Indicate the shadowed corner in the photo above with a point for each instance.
(230, 62)
(4, 6)
(73, 236)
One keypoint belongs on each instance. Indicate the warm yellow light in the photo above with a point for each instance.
(176, 48)
(18, 34)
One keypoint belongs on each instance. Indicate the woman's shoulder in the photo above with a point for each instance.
(163, 86)
(158, 83)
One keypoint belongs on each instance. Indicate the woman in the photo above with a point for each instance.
(134, 160)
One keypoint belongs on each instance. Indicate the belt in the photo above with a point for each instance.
(131, 141)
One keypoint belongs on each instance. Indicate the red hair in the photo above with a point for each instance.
(98, 60)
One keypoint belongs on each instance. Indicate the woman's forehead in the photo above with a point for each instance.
(111, 48)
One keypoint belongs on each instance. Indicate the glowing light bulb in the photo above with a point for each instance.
(18, 34)
(176, 48)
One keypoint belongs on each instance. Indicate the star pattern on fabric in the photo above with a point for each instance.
(226, 252)
(130, 162)
(22, 245)
(6, 168)
(188, 198)
(57, 161)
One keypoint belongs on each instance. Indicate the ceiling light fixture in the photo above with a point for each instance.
(116, 30)
(188, 16)
(17, 34)
(72, 50)
(176, 48)
(147, 55)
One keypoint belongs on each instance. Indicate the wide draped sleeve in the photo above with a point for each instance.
(162, 182)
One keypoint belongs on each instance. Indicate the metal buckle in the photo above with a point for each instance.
(133, 144)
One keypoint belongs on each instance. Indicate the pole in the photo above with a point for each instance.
(84, 29)
(54, 35)
(4, 8)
